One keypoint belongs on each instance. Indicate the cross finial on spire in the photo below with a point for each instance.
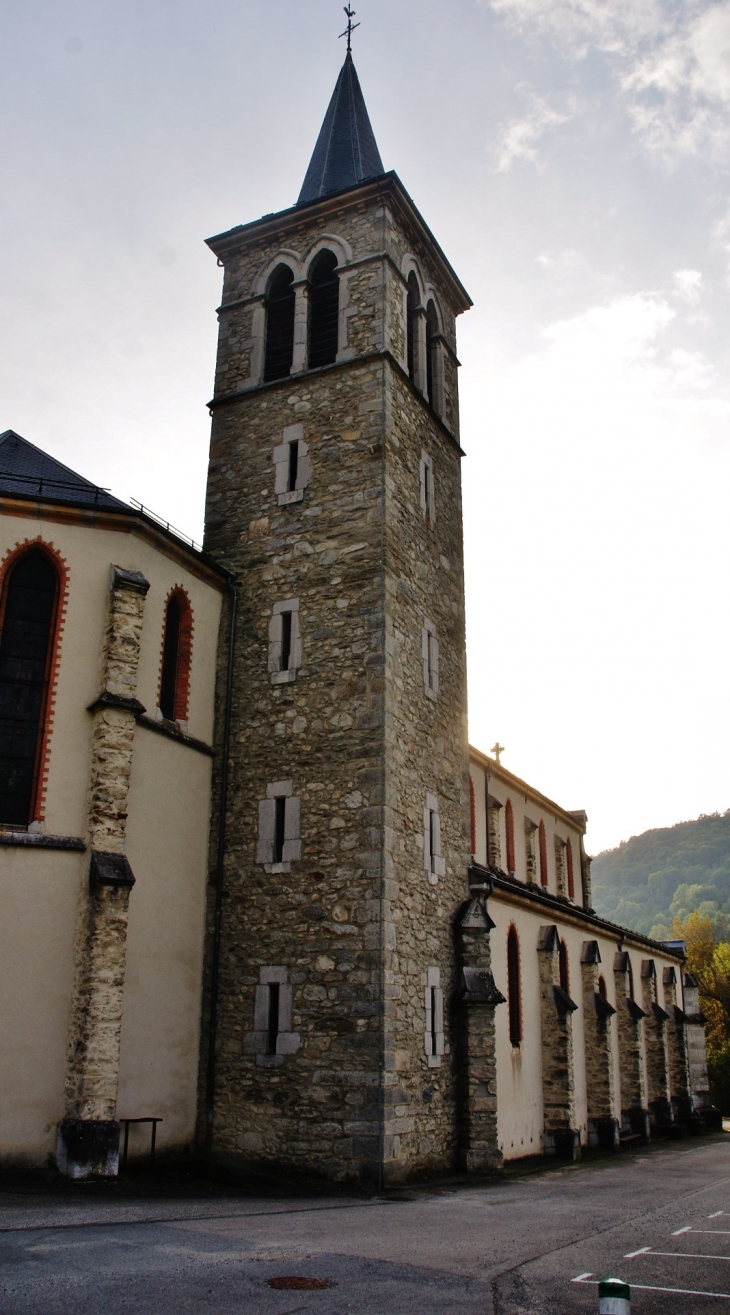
(350, 26)
(497, 749)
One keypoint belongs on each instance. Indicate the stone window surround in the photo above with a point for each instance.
(430, 659)
(434, 1037)
(292, 850)
(530, 850)
(281, 458)
(299, 265)
(428, 498)
(427, 293)
(287, 1042)
(494, 839)
(433, 861)
(279, 675)
(561, 871)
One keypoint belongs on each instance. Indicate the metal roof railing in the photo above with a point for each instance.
(45, 483)
(171, 529)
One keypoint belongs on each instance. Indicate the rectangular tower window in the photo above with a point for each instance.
(433, 861)
(279, 843)
(430, 656)
(291, 466)
(273, 1029)
(428, 503)
(433, 1039)
(285, 642)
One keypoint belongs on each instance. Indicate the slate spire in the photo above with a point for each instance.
(346, 152)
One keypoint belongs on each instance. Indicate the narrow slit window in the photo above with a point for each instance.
(273, 1028)
(293, 466)
(26, 646)
(428, 504)
(433, 990)
(324, 309)
(513, 987)
(285, 640)
(433, 860)
(279, 828)
(434, 1039)
(430, 656)
(279, 324)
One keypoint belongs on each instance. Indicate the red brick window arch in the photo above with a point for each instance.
(564, 968)
(177, 644)
(513, 987)
(509, 823)
(543, 855)
(569, 864)
(31, 606)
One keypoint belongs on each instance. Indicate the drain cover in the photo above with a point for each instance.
(301, 1283)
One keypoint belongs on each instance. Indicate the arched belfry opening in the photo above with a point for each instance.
(324, 308)
(432, 328)
(413, 302)
(279, 324)
(28, 619)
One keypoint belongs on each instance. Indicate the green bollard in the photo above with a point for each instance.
(614, 1297)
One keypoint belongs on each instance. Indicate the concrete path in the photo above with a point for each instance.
(660, 1219)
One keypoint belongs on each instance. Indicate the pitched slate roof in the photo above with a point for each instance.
(28, 472)
(346, 152)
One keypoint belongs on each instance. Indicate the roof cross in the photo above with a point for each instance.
(497, 749)
(350, 26)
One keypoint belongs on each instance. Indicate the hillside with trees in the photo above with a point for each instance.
(652, 880)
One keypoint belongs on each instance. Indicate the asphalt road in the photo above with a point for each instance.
(659, 1219)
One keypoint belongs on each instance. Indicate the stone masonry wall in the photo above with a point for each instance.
(558, 1082)
(629, 1019)
(655, 1045)
(598, 1049)
(355, 924)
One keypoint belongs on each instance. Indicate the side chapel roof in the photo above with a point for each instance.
(346, 152)
(26, 471)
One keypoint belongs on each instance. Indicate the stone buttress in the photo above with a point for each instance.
(629, 1016)
(603, 1126)
(655, 1049)
(88, 1137)
(676, 1050)
(560, 1134)
(335, 1051)
(477, 998)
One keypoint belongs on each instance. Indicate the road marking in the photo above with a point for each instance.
(717, 1212)
(582, 1277)
(646, 1287)
(686, 1229)
(709, 1232)
(680, 1255)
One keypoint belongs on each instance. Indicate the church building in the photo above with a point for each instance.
(256, 884)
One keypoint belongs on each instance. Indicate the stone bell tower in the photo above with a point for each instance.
(334, 498)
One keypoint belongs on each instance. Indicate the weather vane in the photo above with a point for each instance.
(350, 26)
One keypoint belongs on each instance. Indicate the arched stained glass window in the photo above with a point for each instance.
(543, 854)
(513, 987)
(29, 608)
(176, 652)
(324, 309)
(279, 324)
(509, 823)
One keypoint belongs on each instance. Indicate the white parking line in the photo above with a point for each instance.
(686, 1229)
(711, 1232)
(717, 1212)
(647, 1287)
(630, 1254)
(679, 1255)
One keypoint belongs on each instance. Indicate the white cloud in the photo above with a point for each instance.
(520, 136)
(688, 284)
(671, 61)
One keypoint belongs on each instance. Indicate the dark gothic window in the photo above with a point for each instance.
(273, 1018)
(279, 324)
(176, 658)
(509, 824)
(412, 303)
(324, 309)
(543, 854)
(432, 328)
(28, 624)
(564, 973)
(513, 987)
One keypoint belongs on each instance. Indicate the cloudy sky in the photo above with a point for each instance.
(572, 158)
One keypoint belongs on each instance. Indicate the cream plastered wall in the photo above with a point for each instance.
(167, 847)
(525, 804)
